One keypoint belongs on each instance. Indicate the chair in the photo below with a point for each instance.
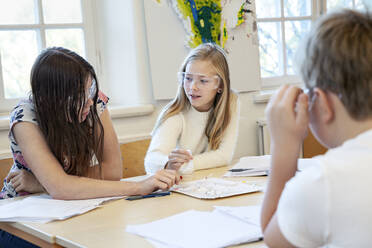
(5, 165)
(133, 155)
(312, 147)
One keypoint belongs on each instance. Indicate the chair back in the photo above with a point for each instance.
(133, 157)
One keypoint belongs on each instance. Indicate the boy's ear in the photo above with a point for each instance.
(325, 106)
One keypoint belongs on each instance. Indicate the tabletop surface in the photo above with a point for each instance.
(105, 226)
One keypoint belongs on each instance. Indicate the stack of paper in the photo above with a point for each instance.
(260, 166)
(43, 209)
(198, 229)
(250, 166)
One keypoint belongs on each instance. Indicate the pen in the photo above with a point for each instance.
(240, 170)
(155, 194)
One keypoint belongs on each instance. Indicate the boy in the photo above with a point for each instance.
(329, 204)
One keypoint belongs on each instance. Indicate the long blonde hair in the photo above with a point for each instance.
(220, 115)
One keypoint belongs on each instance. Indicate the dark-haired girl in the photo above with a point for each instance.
(62, 138)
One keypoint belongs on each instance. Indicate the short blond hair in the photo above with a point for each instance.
(338, 58)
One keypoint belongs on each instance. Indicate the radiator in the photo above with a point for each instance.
(263, 137)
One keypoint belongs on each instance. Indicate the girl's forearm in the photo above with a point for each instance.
(73, 188)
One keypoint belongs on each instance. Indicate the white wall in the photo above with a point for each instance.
(129, 128)
(125, 75)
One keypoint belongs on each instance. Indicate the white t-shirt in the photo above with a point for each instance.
(330, 204)
(186, 130)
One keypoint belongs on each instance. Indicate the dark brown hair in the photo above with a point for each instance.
(58, 80)
(338, 58)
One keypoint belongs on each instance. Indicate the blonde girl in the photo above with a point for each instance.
(198, 128)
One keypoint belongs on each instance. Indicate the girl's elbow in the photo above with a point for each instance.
(226, 159)
(113, 172)
(116, 174)
(58, 195)
(58, 191)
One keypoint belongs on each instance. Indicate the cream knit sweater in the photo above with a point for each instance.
(186, 131)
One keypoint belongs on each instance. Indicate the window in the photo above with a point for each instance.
(29, 26)
(281, 27)
(355, 4)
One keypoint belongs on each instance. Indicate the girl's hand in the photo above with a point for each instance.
(177, 158)
(23, 180)
(163, 180)
(288, 117)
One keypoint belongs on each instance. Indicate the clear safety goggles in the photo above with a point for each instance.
(92, 90)
(311, 96)
(201, 81)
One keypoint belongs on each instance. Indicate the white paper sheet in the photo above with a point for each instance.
(42, 208)
(260, 166)
(249, 214)
(197, 229)
(212, 188)
(257, 165)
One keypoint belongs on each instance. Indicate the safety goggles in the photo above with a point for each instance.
(311, 96)
(201, 81)
(92, 90)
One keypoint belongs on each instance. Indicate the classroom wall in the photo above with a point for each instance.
(128, 76)
(139, 127)
(122, 67)
(247, 139)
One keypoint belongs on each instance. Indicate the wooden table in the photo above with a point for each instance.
(105, 226)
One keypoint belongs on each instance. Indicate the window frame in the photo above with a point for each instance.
(317, 7)
(89, 35)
